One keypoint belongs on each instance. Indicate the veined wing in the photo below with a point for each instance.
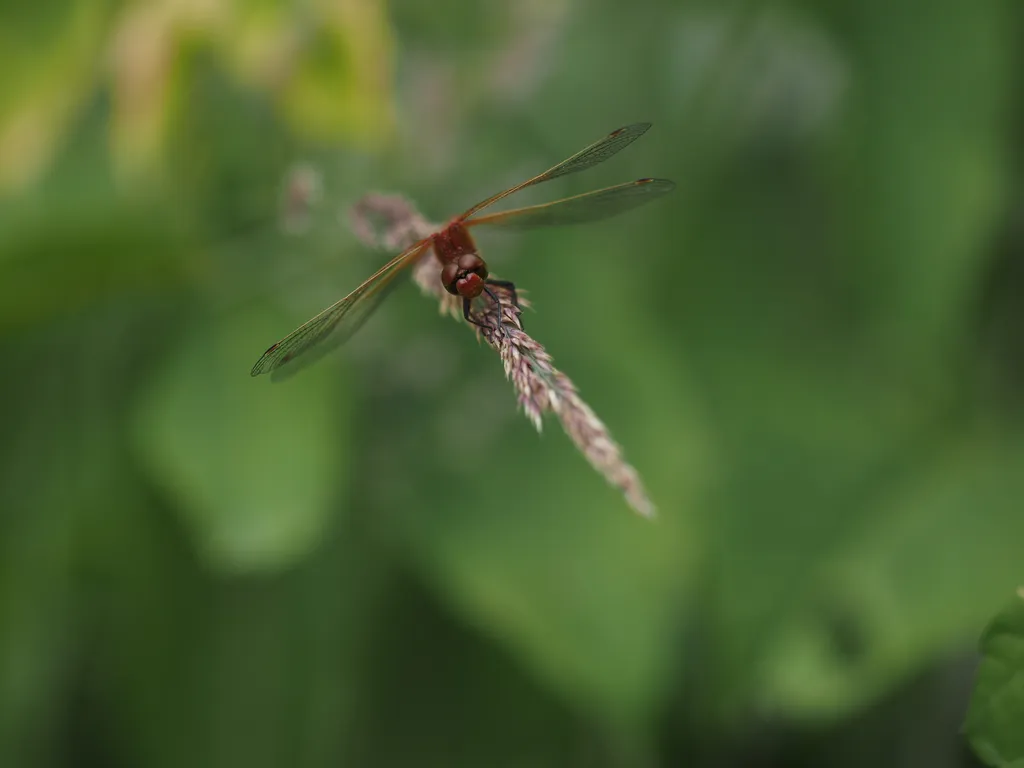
(596, 153)
(336, 324)
(591, 206)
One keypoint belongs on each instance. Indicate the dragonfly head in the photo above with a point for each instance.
(465, 276)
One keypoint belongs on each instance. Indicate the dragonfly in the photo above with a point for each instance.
(463, 271)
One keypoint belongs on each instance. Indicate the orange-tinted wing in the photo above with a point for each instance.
(596, 153)
(336, 324)
(592, 206)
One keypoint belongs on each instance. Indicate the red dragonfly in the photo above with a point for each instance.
(463, 272)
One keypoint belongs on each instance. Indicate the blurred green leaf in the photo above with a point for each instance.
(922, 574)
(47, 53)
(557, 567)
(803, 442)
(59, 463)
(924, 166)
(37, 616)
(106, 246)
(255, 469)
(441, 695)
(995, 720)
(191, 667)
(355, 54)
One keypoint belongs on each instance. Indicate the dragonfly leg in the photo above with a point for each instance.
(466, 305)
(497, 308)
(509, 286)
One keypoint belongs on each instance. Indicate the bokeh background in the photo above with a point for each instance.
(813, 352)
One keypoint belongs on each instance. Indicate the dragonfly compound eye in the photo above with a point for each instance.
(449, 274)
(470, 285)
(470, 262)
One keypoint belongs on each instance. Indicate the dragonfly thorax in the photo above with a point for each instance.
(452, 242)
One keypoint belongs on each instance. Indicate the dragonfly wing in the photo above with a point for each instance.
(588, 157)
(592, 206)
(336, 324)
(596, 153)
(323, 338)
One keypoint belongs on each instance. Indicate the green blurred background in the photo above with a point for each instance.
(813, 352)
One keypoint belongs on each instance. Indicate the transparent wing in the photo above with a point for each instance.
(336, 324)
(596, 153)
(592, 206)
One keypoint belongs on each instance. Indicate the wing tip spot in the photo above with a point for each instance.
(667, 184)
(261, 363)
(637, 128)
